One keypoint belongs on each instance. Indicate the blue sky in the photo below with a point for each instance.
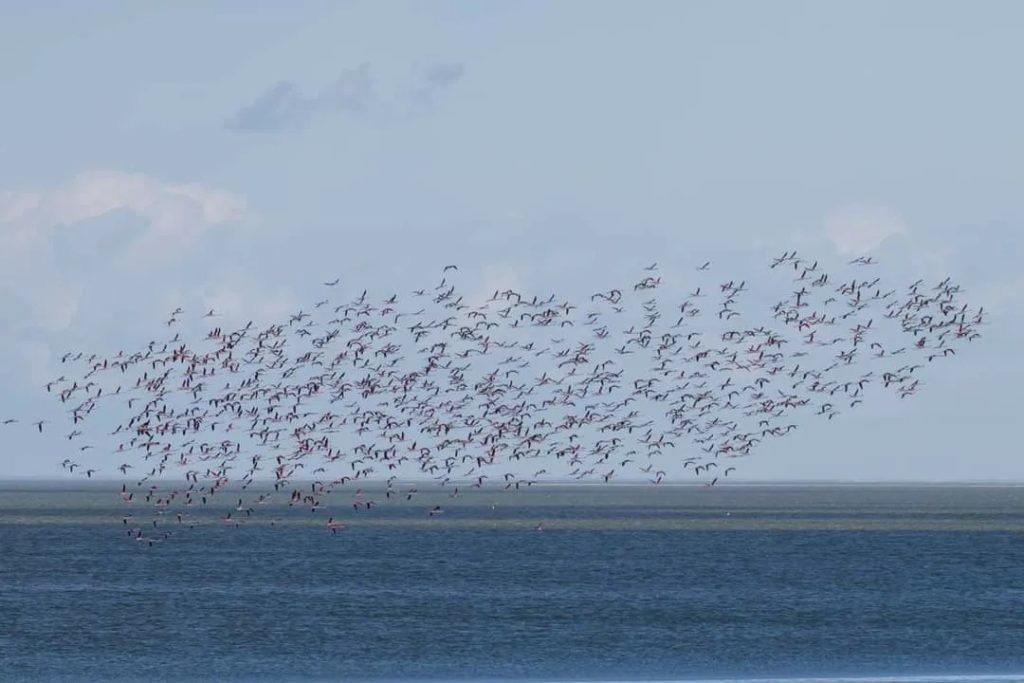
(234, 155)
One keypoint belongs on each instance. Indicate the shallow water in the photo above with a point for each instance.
(621, 583)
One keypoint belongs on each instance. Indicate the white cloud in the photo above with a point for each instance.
(57, 260)
(15, 204)
(175, 213)
(174, 217)
(857, 230)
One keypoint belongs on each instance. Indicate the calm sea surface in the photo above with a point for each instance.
(619, 583)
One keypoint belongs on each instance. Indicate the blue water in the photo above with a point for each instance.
(618, 585)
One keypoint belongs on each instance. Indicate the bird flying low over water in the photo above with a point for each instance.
(520, 389)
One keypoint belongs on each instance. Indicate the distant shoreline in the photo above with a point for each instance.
(33, 483)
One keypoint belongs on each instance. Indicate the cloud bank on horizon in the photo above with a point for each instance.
(379, 159)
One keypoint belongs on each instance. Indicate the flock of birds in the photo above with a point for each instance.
(508, 392)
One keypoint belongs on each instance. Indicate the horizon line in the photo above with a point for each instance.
(570, 482)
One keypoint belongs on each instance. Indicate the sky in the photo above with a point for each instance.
(235, 155)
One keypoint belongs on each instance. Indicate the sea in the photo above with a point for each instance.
(822, 583)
